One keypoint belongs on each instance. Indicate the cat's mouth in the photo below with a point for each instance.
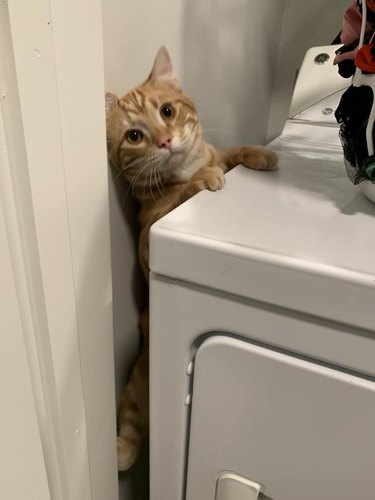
(179, 148)
(172, 152)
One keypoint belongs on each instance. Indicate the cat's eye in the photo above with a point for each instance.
(167, 111)
(134, 136)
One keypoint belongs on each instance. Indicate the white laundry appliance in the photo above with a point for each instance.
(263, 324)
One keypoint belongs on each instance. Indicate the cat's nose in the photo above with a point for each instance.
(164, 141)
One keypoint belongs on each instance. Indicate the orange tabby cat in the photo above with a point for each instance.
(155, 140)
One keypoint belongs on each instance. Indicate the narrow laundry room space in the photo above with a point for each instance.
(186, 213)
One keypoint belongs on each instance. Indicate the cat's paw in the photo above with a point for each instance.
(127, 453)
(259, 158)
(211, 178)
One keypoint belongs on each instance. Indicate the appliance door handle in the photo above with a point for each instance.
(231, 486)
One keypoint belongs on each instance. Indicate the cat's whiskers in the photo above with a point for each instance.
(148, 180)
(119, 173)
(151, 174)
(133, 182)
(159, 179)
(123, 169)
(159, 182)
(155, 179)
(129, 160)
(132, 163)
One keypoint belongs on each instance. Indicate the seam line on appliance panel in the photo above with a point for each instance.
(269, 306)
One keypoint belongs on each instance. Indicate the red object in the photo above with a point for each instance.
(365, 59)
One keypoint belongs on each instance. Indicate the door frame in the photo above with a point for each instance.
(54, 194)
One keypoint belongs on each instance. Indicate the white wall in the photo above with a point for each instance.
(230, 53)
(238, 54)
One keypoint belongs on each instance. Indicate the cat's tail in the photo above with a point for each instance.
(133, 415)
(254, 157)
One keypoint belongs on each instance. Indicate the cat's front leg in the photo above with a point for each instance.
(254, 157)
(259, 158)
(211, 178)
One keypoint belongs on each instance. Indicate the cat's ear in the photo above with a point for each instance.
(162, 70)
(110, 102)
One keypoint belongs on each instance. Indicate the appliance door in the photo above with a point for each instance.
(299, 429)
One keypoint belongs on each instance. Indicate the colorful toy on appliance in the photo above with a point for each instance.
(356, 111)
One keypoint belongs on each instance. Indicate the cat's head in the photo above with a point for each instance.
(154, 126)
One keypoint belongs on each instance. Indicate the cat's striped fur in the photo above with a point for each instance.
(155, 140)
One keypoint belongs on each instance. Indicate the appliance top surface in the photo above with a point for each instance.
(307, 212)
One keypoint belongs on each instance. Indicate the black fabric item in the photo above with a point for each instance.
(337, 40)
(352, 114)
(370, 13)
(370, 16)
(346, 68)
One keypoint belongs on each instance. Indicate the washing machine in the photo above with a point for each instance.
(263, 323)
